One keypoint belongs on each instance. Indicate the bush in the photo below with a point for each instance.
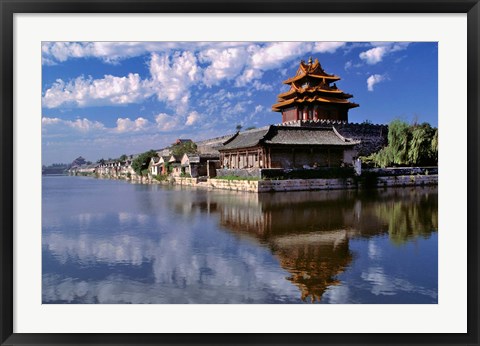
(161, 177)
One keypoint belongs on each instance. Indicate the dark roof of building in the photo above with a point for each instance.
(211, 145)
(289, 135)
(246, 139)
(307, 136)
(174, 158)
(201, 158)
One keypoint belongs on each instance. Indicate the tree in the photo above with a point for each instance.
(412, 145)
(184, 148)
(124, 157)
(420, 151)
(140, 163)
(78, 161)
(398, 140)
(238, 127)
(434, 147)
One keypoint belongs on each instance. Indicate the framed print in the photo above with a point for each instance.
(239, 173)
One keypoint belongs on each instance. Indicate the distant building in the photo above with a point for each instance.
(175, 165)
(155, 166)
(200, 165)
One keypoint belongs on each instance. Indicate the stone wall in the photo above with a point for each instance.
(306, 184)
(401, 171)
(233, 185)
(185, 181)
(372, 137)
(318, 184)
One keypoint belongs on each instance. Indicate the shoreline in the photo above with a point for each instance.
(285, 185)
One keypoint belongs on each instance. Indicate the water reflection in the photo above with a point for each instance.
(309, 232)
(112, 242)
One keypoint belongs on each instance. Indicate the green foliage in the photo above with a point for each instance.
(408, 218)
(161, 177)
(421, 148)
(184, 148)
(140, 163)
(185, 175)
(434, 146)
(238, 127)
(413, 145)
(124, 157)
(398, 140)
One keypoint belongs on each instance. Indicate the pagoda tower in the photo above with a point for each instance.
(312, 96)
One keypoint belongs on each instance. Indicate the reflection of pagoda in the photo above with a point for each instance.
(312, 96)
(309, 231)
(313, 260)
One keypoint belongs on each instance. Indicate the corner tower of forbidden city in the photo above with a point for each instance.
(312, 96)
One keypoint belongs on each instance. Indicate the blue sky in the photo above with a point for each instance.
(105, 99)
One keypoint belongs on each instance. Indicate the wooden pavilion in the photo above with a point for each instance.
(312, 96)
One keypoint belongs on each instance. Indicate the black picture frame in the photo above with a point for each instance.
(7, 175)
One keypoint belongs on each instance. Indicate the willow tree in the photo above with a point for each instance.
(408, 145)
(398, 142)
(421, 145)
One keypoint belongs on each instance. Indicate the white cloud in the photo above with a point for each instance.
(247, 77)
(192, 118)
(50, 121)
(374, 55)
(176, 69)
(375, 79)
(114, 52)
(225, 64)
(327, 47)
(380, 50)
(83, 125)
(86, 92)
(258, 109)
(261, 86)
(127, 125)
(171, 78)
(167, 122)
(275, 54)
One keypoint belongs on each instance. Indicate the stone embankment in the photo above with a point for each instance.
(258, 186)
(372, 179)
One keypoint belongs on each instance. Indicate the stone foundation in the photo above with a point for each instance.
(309, 184)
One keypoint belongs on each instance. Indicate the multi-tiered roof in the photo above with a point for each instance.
(312, 96)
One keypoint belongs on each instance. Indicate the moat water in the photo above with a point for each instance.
(108, 241)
